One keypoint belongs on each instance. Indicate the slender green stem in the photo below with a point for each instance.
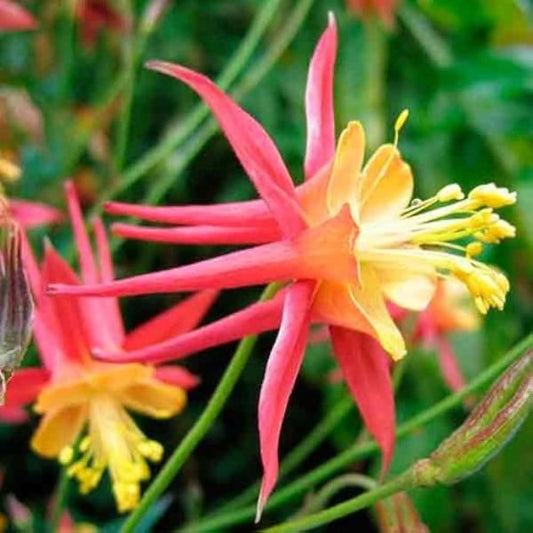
(202, 426)
(184, 128)
(360, 451)
(60, 501)
(399, 483)
(319, 500)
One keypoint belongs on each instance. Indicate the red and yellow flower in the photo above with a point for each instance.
(346, 241)
(84, 403)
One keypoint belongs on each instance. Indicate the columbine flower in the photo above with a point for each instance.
(79, 396)
(15, 18)
(347, 240)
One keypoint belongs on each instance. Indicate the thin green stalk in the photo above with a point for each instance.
(399, 483)
(361, 451)
(176, 135)
(202, 426)
(319, 500)
(60, 501)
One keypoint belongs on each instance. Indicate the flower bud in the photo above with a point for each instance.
(16, 307)
(485, 432)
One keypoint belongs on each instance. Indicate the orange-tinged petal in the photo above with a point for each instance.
(386, 185)
(153, 398)
(57, 397)
(369, 300)
(410, 290)
(334, 305)
(58, 429)
(344, 179)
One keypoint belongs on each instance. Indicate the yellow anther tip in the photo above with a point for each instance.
(474, 249)
(450, 192)
(66, 455)
(401, 120)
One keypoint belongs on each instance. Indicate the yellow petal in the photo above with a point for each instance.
(153, 398)
(369, 300)
(62, 395)
(114, 377)
(386, 185)
(344, 179)
(58, 429)
(409, 289)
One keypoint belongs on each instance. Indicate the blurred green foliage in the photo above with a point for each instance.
(465, 72)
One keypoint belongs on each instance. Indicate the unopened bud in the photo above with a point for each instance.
(16, 307)
(485, 432)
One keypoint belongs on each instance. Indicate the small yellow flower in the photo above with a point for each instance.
(97, 399)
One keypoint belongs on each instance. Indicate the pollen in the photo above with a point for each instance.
(492, 196)
(450, 192)
(474, 249)
(113, 442)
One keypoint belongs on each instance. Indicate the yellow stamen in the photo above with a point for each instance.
(474, 249)
(450, 192)
(492, 196)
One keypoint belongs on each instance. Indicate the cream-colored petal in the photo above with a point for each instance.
(344, 179)
(407, 289)
(153, 398)
(58, 429)
(386, 185)
(368, 298)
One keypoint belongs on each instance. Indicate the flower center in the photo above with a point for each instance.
(115, 442)
(420, 239)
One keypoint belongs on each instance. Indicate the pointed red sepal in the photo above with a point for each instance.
(280, 376)
(252, 145)
(62, 313)
(319, 103)
(254, 212)
(311, 255)
(257, 318)
(115, 324)
(178, 376)
(25, 386)
(13, 17)
(33, 214)
(180, 318)
(199, 234)
(366, 369)
(89, 272)
(13, 415)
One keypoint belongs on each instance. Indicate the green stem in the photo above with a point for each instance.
(321, 498)
(399, 483)
(185, 127)
(202, 426)
(60, 501)
(361, 451)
